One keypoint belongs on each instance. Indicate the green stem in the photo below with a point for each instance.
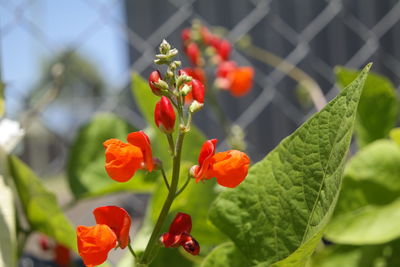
(132, 252)
(171, 143)
(147, 254)
(183, 187)
(164, 177)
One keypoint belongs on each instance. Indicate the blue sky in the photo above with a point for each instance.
(88, 24)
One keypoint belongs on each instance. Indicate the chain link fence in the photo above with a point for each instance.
(311, 36)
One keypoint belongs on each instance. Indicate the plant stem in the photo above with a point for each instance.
(164, 177)
(132, 252)
(147, 255)
(183, 187)
(171, 143)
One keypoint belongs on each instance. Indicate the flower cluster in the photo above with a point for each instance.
(181, 93)
(111, 231)
(199, 42)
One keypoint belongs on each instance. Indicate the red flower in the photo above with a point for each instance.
(164, 115)
(154, 77)
(198, 91)
(224, 50)
(185, 35)
(193, 53)
(141, 140)
(196, 73)
(179, 234)
(229, 168)
(238, 80)
(124, 159)
(95, 242)
(117, 219)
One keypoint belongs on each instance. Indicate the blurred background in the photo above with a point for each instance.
(98, 44)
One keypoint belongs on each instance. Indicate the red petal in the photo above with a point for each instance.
(117, 219)
(206, 153)
(181, 224)
(141, 140)
(94, 243)
(190, 244)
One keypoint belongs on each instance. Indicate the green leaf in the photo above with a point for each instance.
(278, 214)
(8, 244)
(146, 102)
(368, 208)
(354, 256)
(224, 255)
(86, 174)
(40, 205)
(395, 135)
(378, 108)
(2, 102)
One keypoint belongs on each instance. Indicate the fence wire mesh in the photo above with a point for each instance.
(311, 35)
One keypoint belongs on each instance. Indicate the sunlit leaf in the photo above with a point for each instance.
(278, 214)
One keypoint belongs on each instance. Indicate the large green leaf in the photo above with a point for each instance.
(386, 255)
(146, 102)
(40, 205)
(368, 209)
(378, 108)
(8, 244)
(277, 215)
(86, 173)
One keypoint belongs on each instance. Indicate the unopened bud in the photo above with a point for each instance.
(162, 85)
(164, 115)
(155, 77)
(182, 78)
(195, 106)
(185, 89)
(198, 90)
(164, 47)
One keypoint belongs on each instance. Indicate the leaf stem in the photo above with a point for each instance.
(132, 252)
(184, 186)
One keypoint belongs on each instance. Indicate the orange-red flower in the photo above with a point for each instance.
(229, 168)
(179, 234)
(124, 159)
(238, 80)
(94, 243)
(117, 219)
(112, 229)
(198, 90)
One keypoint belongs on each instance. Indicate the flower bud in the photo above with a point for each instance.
(224, 50)
(195, 106)
(155, 77)
(185, 35)
(164, 47)
(164, 115)
(197, 90)
(193, 53)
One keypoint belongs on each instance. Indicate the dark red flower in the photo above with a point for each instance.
(62, 256)
(164, 115)
(179, 234)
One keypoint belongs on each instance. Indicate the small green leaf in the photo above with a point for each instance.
(368, 208)
(378, 108)
(278, 214)
(86, 174)
(395, 135)
(40, 206)
(224, 255)
(8, 236)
